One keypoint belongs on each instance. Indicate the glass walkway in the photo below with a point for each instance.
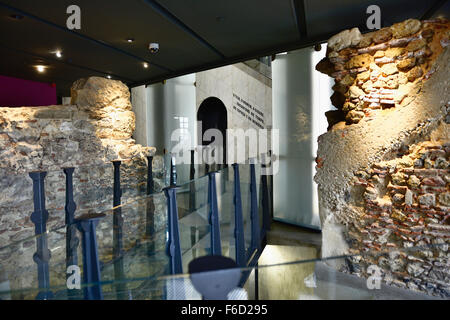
(141, 247)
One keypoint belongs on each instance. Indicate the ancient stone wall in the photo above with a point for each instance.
(88, 135)
(383, 166)
(381, 69)
(406, 203)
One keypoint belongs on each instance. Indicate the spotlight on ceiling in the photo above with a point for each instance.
(145, 64)
(130, 40)
(58, 54)
(108, 76)
(40, 68)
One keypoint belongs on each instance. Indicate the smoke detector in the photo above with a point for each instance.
(153, 47)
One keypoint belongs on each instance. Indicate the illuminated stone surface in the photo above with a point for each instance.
(383, 176)
(87, 135)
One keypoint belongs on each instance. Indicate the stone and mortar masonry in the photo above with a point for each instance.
(406, 203)
(381, 69)
(383, 166)
(88, 134)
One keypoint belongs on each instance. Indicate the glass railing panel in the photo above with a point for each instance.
(183, 173)
(142, 252)
(87, 196)
(188, 172)
(365, 276)
(244, 173)
(194, 227)
(259, 193)
(150, 288)
(19, 270)
(17, 197)
(225, 191)
(322, 279)
(201, 170)
(142, 249)
(371, 275)
(16, 206)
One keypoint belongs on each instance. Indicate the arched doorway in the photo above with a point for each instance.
(213, 115)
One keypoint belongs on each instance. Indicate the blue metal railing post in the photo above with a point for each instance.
(173, 246)
(254, 216)
(39, 217)
(192, 167)
(70, 206)
(117, 215)
(150, 184)
(265, 204)
(173, 171)
(117, 191)
(150, 209)
(238, 220)
(192, 201)
(192, 184)
(72, 240)
(216, 246)
(150, 223)
(91, 264)
(118, 232)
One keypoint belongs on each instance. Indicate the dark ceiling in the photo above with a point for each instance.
(194, 35)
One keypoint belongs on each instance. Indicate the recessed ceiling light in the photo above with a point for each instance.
(58, 54)
(145, 64)
(130, 40)
(40, 68)
(108, 76)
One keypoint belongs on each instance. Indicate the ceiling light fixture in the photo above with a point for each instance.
(145, 65)
(40, 68)
(58, 54)
(130, 40)
(108, 76)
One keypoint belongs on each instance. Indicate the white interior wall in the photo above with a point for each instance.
(158, 109)
(238, 80)
(225, 81)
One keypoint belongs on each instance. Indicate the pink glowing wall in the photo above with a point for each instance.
(18, 92)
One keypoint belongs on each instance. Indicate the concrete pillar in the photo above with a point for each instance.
(161, 109)
(300, 98)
